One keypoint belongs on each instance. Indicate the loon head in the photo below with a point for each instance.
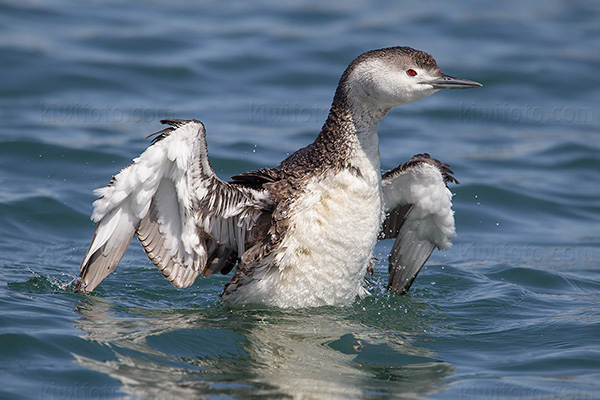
(389, 77)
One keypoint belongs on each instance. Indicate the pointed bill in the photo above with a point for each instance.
(450, 82)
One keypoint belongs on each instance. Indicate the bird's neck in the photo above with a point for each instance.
(352, 127)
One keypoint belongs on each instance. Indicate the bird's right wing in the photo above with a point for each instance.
(187, 219)
(419, 216)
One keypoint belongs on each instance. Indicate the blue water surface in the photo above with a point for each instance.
(512, 310)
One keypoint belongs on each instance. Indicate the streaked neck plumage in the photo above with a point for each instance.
(351, 126)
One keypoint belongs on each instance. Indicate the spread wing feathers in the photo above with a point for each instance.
(186, 218)
(419, 216)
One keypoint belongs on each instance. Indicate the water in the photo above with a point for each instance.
(511, 311)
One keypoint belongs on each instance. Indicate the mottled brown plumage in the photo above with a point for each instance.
(423, 158)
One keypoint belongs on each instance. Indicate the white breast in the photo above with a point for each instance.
(323, 258)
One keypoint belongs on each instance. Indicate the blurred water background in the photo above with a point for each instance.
(511, 311)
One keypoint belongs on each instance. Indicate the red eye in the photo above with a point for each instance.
(411, 72)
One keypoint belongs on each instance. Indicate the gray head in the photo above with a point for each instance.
(395, 75)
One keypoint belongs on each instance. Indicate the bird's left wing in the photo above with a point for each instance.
(187, 219)
(419, 216)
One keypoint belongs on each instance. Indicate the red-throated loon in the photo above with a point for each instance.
(303, 233)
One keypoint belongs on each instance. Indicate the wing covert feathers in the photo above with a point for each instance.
(187, 219)
(419, 216)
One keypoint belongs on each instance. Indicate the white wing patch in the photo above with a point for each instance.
(181, 211)
(419, 216)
